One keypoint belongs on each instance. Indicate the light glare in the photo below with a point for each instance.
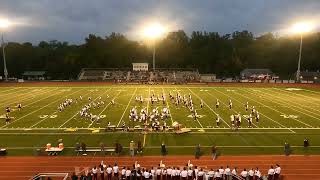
(154, 30)
(4, 23)
(302, 27)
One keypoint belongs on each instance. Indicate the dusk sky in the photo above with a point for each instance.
(73, 20)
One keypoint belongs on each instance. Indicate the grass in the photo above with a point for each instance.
(28, 131)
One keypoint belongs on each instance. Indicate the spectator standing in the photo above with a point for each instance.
(305, 145)
(257, 174)
(131, 148)
(83, 177)
(74, 176)
(190, 174)
(227, 173)
(128, 173)
(211, 174)
(139, 149)
(214, 152)
(244, 173)
(184, 174)
(286, 149)
(163, 149)
(101, 172)
(234, 172)
(197, 151)
(270, 173)
(115, 169)
(277, 172)
(251, 174)
(109, 172)
(123, 173)
(95, 173)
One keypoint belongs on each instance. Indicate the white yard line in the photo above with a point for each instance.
(167, 105)
(78, 111)
(292, 100)
(296, 94)
(126, 107)
(50, 115)
(228, 107)
(209, 107)
(271, 109)
(103, 110)
(289, 107)
(35, 110)
(23, 99)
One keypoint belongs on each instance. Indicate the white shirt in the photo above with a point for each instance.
(227, 171)
(271, 172)
(158, 172)
(152, 172)
(190, 172)
(244, 173)
(109, 170)
(115, 169)
(173, 172)
(169, 171)
(200, 173)
(221, 171)
(184, 173)
(178, 172)
(94, 171)
(128, 173)
(251, 172)
(123, 172)
(217, 174)
(211, 173)
(234, 172)
(277, 170)
(146, 174)
(257, 173)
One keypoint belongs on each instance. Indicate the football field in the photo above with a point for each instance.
(287, 114)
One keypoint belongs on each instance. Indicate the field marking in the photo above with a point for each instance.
(126, 107)
(49, 116)
(209, 107)
(228, 106)
(10, 89)
(27, 98)
(291, 97)
(104, 109)
(178, 90)
(164, 94)
(280, 111)
(144, 139)
(34, 110)
(289, 106)
(290, 129)
(242, 103)
(285, 92)
(10, 95)
(78, 111)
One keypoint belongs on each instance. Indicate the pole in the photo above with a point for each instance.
(5, 71)
(299, 62)
(154, 55)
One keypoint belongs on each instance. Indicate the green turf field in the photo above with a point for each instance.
(286, 114)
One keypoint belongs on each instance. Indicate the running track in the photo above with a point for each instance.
(293, 167)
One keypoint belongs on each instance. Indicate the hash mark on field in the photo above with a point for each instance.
(126, 107)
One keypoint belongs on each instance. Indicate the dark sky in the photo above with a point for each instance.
(72, 20)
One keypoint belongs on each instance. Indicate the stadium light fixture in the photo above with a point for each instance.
(301, 28)
(153, 32)
(4, 23)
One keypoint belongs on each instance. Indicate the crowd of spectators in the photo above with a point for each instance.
(161, 172)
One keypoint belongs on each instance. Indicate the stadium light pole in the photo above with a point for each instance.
(153, 32)
(301, 28)
(3, 25)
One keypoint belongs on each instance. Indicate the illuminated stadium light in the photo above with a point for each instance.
(302, 27)
(154, 30)
(4, 23)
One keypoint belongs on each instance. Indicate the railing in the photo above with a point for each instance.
(42, 176)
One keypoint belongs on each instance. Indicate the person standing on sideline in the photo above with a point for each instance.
(131, 148)
(214, 152)
(163, 149)
(277, 171)
(197, 152)
(306, 145)
(286, 149)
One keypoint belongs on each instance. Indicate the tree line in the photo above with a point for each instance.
(210, 52)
